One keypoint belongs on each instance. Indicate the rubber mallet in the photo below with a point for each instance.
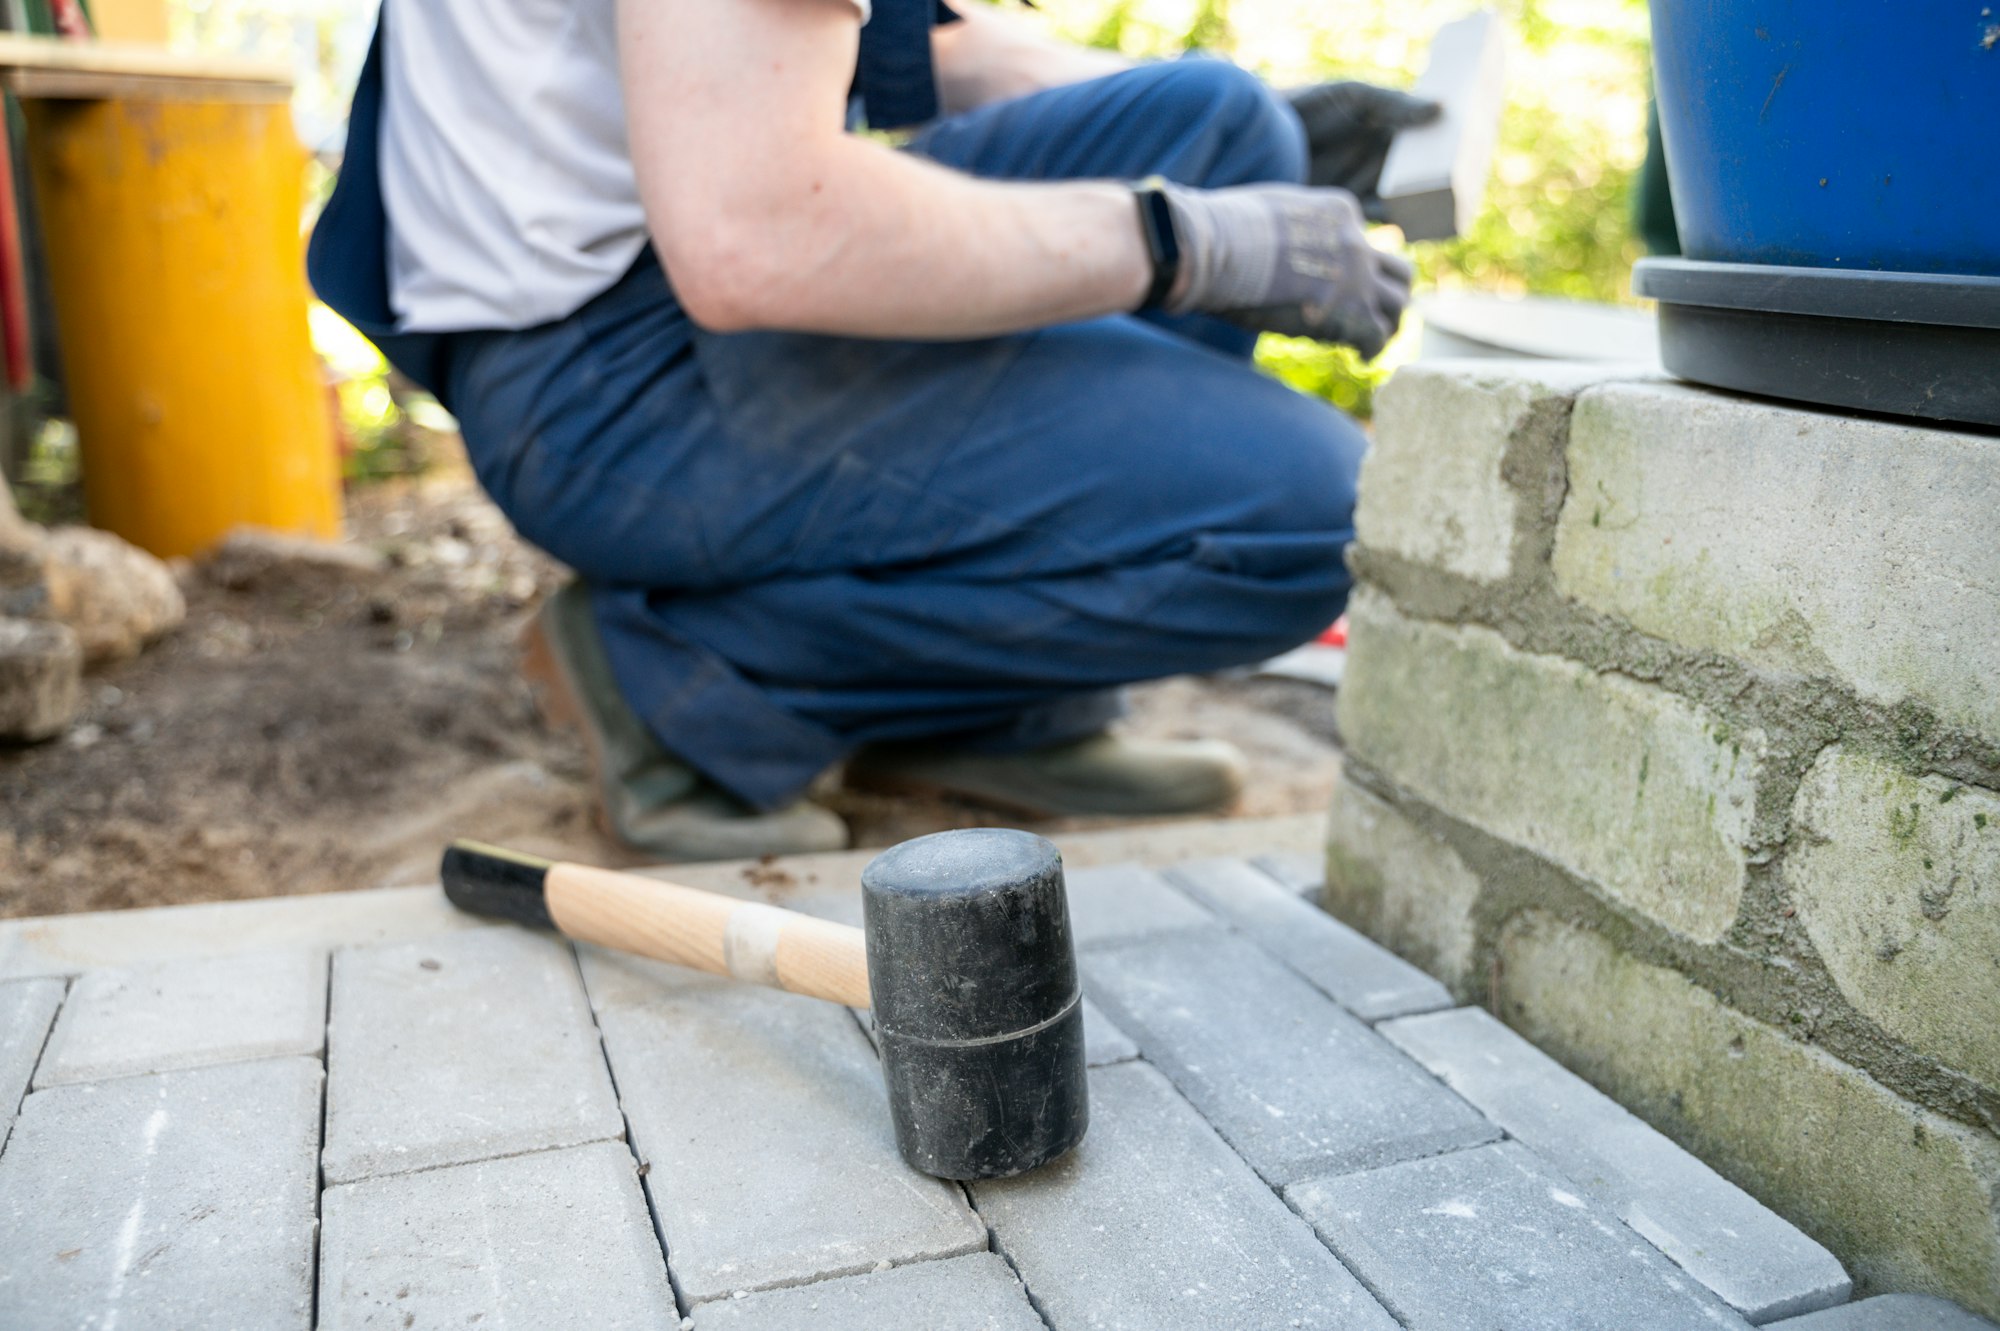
(966, 955)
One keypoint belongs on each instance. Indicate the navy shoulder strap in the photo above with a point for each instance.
(348, 257)
(893, 75)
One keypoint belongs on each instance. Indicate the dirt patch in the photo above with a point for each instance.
(310, 729)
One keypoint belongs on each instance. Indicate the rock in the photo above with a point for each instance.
(23, 590)
(255, 558)
(115, 595)
(41, 678)
(16, 532)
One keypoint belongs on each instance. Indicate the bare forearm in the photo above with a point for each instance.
(894, 246)
(768, 215)
(990, 56)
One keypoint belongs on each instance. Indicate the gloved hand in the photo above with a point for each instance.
(1286, 259)
(1348, 129)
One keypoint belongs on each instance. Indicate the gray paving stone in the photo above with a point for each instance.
(1304, 872)
(1761, 1265)
(976, 1292)
(26, 1009)
(181, 1200)
(556, 1238)
(1103, 1043)
(763, 1122)
(1890, 1312)
(1299, 1086)
(188, 1014)
(65, 945)
(1357, 972)
(1492, 1237)
(1154, 1223)
(458, 1048)
(1114, 901)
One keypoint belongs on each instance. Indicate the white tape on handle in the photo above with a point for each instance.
(750, 942)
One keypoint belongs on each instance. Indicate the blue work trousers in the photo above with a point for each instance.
(801, 544)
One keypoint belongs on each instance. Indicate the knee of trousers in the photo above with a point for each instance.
(1308, 472)
(1261, 137)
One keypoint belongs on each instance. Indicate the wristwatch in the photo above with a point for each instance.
(1163, 243)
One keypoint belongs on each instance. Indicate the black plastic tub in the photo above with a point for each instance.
(1903, 344)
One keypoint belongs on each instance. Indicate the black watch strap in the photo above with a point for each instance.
(1156, 223)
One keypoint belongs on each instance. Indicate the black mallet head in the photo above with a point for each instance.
(977, 1006)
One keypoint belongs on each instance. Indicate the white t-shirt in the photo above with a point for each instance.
(505, 172)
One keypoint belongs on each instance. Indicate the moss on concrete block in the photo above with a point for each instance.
(1400, 885)
(1798, 541)
(1904, 1197)
(1636, 789)
(1436, 486)
(1897, 880)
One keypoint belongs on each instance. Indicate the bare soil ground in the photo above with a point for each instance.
(312, 730)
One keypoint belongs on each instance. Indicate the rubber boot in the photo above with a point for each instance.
(647, 798)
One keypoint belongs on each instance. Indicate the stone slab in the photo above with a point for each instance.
(1492, 1237)
(1891, 1312)
(556, 1238)
(1639, 790)
(459, 1048)
(1153, 1223)
(976, 1292)
(1806, 542)
(1754, 1260)
(1356, 972)
(187, 1014)
(1901, 1195)
(41, 678)
(72, 944)
(1294, 1083)
(1897, 881)
(1117, 901)
(762, 1119)
(1400, 885)
(1303, 871)
(1462, 456)
(62, 945)
(27, 1008)
(1103, 1043)
(1433, 178)
(816, 883)
(186, 1199)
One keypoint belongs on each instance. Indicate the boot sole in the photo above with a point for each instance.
(910, 787)
(885, 783)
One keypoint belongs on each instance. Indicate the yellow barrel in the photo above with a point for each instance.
(172, 227)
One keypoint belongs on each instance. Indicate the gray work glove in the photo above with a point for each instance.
(1348, 130)
(1287, 259)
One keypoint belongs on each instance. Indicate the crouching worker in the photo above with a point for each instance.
(903, 457)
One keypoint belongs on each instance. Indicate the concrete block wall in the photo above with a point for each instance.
(1673, 722)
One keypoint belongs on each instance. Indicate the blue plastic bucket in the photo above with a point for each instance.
(1833, 133)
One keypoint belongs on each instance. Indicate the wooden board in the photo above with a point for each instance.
(48, 68)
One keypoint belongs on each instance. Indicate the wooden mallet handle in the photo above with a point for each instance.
(650, 918)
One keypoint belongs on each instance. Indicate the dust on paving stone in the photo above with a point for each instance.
(320, 726)
(768, 874)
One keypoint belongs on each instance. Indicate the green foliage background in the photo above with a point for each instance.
(1558, 209)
